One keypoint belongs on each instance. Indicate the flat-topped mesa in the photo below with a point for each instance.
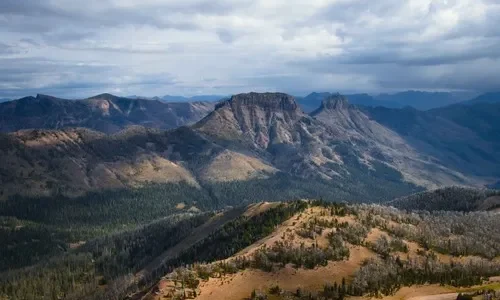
(105, 96)
(254, 119)
(336, 101)
(266, 101)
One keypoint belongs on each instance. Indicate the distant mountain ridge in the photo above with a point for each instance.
(416, 99)
(423, 100)
(342, 150)
(174, 98)
(248, 138)
(492, 97)
(105, 112)
(450, 199)
(464, 138)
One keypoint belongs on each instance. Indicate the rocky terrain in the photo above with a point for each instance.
(249, 137)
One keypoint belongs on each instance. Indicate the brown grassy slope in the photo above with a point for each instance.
(197, 235)
(240, 285)
(73, 161)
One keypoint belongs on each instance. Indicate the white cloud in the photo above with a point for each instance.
(153, 47)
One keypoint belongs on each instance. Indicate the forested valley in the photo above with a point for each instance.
(104, 268)
(35, 228)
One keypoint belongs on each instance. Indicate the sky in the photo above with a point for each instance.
(77, 49)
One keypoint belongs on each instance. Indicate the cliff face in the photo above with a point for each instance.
(333, 102)
(333, 142)
(254, 119)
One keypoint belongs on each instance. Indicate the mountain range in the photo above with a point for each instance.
(417, 99)
(338, 151)
(106, 113)
(485, 98)
(174, 98)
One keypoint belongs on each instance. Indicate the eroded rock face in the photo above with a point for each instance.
(334, 141)
(257, 119)
(335, 102)
(246, 137)
(270, 102)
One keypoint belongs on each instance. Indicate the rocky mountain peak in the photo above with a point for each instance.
(256, 119)
(266, 101)
(46, 98)
(335, 101)
(105, 96)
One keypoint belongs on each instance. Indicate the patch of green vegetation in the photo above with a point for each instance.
(110, 259)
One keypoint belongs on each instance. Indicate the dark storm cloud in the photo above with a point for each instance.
(19, 77)
(422, 55)
(95, 14)
(158, 47)
(31, 8)
(8, 49)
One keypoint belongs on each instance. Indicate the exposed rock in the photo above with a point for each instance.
(250, 136)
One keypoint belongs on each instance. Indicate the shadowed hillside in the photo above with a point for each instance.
(450, 198)
(105, 113)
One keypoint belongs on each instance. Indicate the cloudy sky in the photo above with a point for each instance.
(74, 49)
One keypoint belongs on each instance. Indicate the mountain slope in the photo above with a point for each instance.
(331, 251)
(422, 100)
(286, 249)
(208, 98)
(106, 113)
(250, 139)
(75, 160)
(378, 144)
(459, 137)
(336, 142)
(312, 101)
(493, 97)
(417, 99)
(451, 199)
(481, 118)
